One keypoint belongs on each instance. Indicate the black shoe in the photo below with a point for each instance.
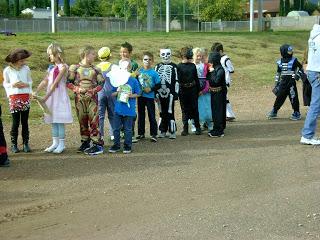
(139, 137)
(154, 139)
(26, 148)
(85, 145)
(94, 150)
(214, 134)
(6, 163)
(198, 131)
(14, 148)
(114, 149)
(184, 133)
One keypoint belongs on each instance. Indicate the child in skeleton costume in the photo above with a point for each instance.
(218, 90)
(229, 70)
(167, 93)
(204, 100)
(189, 90)
(289, 69)
(85, 80)
(4, 160)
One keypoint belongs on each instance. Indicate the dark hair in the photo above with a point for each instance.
(149, 54)
(127, 46)
(17, 54)
(217, 47)
(186, 52)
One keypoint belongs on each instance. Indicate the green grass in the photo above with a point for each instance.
(253, 54)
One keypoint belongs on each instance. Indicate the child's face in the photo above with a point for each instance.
(147, 61)
(52, 58)
(199, 58)
(124, 53)
(90, 57)
(20, 63)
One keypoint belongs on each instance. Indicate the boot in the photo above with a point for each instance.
(185, 131)
(60, 147)
(26, 147)
(55, 143)
(14, 144)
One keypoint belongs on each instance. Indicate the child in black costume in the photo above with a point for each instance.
(289, 69)
(189, 90)
(218, 89)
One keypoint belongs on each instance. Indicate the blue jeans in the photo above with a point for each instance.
(310, 124)
(126, 122)
(106, 102)
(58, 130)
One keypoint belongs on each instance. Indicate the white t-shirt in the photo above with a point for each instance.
(228, 68)
(12, 76)
(314, 49)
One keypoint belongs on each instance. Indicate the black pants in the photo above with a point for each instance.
(144, 102)
(287, 90)
(189, 106)
(307, 92)
(167, 115)
(3, 143)
(17, 117)
(218, 108)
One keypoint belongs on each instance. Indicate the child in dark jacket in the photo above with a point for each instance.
(189, 90)
(218, 89)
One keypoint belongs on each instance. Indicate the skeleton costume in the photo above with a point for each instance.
(167, 93)
(289, 69)
(89, 78)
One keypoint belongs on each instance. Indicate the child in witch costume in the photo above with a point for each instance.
(18, 85)
(85, 80)
(56, 98)
(4, 160)
(218, 90)
(289, 70)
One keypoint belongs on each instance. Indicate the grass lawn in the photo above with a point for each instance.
(253, 54)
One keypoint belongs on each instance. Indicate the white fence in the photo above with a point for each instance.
(120, 25)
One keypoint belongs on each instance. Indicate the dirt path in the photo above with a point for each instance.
(257, 182)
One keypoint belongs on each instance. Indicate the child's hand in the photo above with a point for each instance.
(82, 90)
(20, 85)
(211, 69)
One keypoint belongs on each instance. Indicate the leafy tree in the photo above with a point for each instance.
(16, 8)
(86, 8)
(66, 7)
(226, 10)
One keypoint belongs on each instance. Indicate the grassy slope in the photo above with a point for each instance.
(253, 54)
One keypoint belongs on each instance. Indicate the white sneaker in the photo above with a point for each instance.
(55, 143)
(162, 135)
(311, 141)
(172, 136)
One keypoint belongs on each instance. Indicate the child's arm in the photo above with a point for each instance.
(56, 81)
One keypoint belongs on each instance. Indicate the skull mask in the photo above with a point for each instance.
(165, 54)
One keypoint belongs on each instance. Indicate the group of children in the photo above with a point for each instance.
(199, 82)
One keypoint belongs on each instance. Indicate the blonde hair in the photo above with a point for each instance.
(85, 50)
(198, 50)
(56, 50)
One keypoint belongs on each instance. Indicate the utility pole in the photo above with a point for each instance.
(167, 16)
(251, 15)
(53, 16)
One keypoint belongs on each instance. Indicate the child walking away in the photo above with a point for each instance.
(189, 90)
(167, 93)
(126, 89)
(56, 98)
(4, 160)
(217, 82)
(150, 82)
(85, 80)
(289, 69)
(204, 100)
(229, 70)
(105, 99)
(18, 85)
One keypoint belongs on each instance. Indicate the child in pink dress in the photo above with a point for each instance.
(56, 98)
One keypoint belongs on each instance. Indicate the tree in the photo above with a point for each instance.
(86, 8)
(16, 8)
(66, 7)
(225, 10)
